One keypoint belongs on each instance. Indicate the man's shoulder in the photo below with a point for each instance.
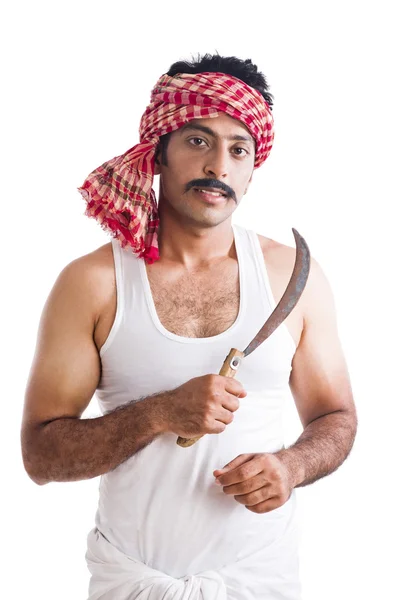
(99, 259)
(91, 277)
(279, 260)
(277, 256)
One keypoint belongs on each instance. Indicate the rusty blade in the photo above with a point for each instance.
(290, 296)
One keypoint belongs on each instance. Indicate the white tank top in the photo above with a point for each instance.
(161, 508)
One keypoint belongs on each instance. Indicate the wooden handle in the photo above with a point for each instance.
(228, 369)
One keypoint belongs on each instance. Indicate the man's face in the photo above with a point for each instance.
(204, 154)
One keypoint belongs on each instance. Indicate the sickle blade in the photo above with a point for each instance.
(291, 295)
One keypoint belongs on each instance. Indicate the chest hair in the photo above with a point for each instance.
(197, 305)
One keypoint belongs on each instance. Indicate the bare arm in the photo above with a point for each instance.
(71, 449)
(57, 445)
(321, 388)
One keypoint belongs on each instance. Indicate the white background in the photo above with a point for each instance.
(77, 78)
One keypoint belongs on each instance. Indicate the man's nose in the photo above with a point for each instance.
(217, 164)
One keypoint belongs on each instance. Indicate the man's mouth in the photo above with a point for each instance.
(211, 191)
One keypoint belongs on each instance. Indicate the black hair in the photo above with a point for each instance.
(231, 65)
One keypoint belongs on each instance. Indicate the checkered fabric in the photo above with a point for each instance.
(119, 193)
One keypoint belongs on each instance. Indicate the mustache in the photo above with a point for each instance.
(211, 183)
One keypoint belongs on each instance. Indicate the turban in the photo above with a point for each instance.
(119, 193)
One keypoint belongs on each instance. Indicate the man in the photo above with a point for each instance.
(146, 322)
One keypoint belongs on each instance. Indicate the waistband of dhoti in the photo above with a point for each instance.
(117, 576)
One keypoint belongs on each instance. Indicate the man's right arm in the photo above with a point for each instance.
(57, 445)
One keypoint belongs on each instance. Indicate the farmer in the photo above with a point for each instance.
(146, 322)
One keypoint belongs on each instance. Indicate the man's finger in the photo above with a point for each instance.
(258, 496)
(242, 472)
(236, 462)
(246, 487)
(266, 506)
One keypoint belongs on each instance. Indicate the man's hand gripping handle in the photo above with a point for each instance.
(229, 369)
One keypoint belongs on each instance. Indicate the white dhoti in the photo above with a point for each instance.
(116, 576)
(269, 573)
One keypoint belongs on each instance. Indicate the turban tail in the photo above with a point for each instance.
(119, 193)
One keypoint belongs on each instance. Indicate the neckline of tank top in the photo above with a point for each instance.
(197, 340)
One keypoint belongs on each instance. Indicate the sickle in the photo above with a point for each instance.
(282, 310)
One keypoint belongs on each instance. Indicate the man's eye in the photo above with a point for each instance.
(196, 140)
(244, 151)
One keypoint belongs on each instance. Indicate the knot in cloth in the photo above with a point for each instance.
(117, 576)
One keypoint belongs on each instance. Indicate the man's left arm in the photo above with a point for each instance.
(321, 388)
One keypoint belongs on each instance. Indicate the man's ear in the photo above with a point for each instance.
(157, 166)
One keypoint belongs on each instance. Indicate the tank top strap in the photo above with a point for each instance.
(257, 280)
(258, 284)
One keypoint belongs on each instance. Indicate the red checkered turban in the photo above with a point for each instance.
(119, 193)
